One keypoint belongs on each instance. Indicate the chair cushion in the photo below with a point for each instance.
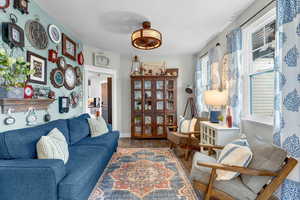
(21, 143)
(233, 187)
(79, 128)
(53, 146)
(236, 153)
(86, 164)
(108, 140)
(97, 126)
(265, 157)
(177, 138)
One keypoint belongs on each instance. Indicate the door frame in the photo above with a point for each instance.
(113, 73)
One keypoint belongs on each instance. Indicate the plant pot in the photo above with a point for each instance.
(12, 93)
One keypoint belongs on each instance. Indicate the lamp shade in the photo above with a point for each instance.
(215, 97)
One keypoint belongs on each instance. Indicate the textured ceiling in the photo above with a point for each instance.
(107, 24)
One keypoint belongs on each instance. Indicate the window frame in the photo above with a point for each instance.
(248, 71)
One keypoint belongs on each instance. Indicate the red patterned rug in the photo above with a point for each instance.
(143, 174)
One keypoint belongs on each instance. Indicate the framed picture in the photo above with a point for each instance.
(13, 34)
(101, 60)
(4, 4)
(68, 47)
(39, 64)
(22, 6)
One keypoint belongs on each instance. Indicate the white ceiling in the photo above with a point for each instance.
(186, 25)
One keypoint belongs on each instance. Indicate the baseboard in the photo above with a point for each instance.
(125, 135)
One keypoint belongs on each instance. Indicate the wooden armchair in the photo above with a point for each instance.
(265, 192)
(188, 141)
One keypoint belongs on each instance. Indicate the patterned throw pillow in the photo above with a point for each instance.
(98, 127)
(53, 146)
(236, 153)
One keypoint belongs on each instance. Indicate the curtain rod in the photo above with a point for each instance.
(248, 20)
(200, 57)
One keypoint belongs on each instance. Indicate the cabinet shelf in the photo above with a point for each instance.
(22, 105)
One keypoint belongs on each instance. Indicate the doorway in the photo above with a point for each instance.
(100, 99)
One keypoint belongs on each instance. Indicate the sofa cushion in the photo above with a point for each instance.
(233, 187)
(53, 146)
(79, 128)
(108, 140)
(265, 157)
(97, 126)
(21, 143)
(86, 164)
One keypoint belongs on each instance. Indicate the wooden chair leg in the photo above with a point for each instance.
(172, 145)
(187, 153)
(210, 185)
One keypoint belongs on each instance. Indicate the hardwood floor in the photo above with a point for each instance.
(131, 143)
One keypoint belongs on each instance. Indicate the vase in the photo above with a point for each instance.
(12, 92)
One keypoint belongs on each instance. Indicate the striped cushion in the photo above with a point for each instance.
(236, 153)
(53, 146)
(187, 126)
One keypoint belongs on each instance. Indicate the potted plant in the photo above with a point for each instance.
(13, 75)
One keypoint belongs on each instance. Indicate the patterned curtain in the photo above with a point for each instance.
(234, 47)
(287, 90)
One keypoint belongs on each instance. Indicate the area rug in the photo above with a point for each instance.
(143, 174)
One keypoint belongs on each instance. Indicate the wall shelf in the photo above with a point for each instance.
(22, 105)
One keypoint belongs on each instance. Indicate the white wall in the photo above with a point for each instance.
(186, 76)
(114, 64)
(261, 130)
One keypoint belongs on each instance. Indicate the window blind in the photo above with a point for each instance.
(262, 93)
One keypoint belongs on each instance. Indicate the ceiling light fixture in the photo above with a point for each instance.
(146, 38)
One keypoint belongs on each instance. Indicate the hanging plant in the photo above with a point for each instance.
(13, 72)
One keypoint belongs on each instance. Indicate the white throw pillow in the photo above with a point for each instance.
(97, 126)
(53, 146)
(187, 126)
(236, 153)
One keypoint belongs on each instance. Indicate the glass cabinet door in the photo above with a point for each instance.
(160, 131)
(147, 85)
(148, 125)
(137, 84)
(138, 105)
(159, 105)
(170, 84)
(159, 85)
(170, 119)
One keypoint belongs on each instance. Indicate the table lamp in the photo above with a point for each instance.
(216, 99)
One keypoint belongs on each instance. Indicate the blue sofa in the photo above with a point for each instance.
(23, 177)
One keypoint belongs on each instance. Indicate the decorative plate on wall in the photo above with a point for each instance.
(54, 33)
(70, 78)
(36, 34)
(57, 77)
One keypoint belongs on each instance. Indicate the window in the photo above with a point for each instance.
(205, 72)
(258, 62)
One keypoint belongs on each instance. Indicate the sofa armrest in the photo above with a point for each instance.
(30, 179)
(109, 126)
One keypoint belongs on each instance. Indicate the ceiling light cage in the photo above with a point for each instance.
(146, 38)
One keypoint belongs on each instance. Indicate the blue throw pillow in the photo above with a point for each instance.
(78, 128)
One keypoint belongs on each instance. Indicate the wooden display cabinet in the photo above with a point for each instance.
(153, 105)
